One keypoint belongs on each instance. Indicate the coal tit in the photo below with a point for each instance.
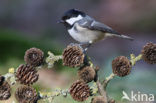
(85, 29)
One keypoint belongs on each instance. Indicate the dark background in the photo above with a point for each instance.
(33, 23)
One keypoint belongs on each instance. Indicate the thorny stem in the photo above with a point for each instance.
(135, 59)
(107, 80)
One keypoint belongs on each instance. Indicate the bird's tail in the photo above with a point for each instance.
(124, 37)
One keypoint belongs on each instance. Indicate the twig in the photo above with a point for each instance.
(51, 59)
(11, 76)
(135, 59)
(107, 80)
(102, 92)
(52, 95)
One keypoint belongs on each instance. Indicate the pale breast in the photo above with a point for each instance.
(84, 35)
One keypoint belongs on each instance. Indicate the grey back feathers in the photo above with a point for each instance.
(92, 24)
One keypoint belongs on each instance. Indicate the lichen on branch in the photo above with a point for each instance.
(74, 57)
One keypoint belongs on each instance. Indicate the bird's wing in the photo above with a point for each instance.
(91, 24)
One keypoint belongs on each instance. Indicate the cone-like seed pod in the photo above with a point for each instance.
(1, 79)
(121, 66)
(26, 74)
(79, 91)
(5, 91)
(87, 74)
(149, 53)
(34, 57)
(26, 94)
(98, 99)
(73, 56)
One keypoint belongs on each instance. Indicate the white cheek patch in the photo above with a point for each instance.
(71, 21)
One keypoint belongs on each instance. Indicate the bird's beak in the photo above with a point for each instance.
(60, 21)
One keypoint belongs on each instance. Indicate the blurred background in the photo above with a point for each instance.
(33, 23)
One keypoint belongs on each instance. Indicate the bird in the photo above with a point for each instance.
(85, 29)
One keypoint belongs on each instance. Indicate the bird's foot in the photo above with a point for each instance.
(76, 44)
(86, 45)
(86, 48)
(82, 45)
(72, 44)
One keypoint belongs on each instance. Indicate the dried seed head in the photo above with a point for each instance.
(79, 91)
(73, 56)
(26, 74)
(98, 99)
(149, 53)
(26, 94)
(87, 74)
(5, 91)
(1, 79)
(34, 57)
(121, 66)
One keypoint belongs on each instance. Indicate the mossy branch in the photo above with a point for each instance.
(134, 59)
(102, 92)
(107, 80)
(122, 67)
(51, 59)
(51, 95)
